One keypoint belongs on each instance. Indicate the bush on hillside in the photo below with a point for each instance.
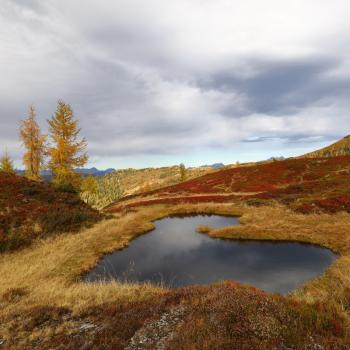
(100, 192)
(29, 210)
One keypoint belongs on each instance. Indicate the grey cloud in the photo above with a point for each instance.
(30, 4)
(254, 139)
(282, 87)
(292, 138)
(137, 90)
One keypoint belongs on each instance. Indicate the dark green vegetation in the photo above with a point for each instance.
(30, 209)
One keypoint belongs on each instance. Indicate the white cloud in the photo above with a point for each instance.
(133, 71)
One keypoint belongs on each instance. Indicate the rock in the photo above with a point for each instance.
(87, 326)
(156, 334)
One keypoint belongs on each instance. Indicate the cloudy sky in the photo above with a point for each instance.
(160, 82)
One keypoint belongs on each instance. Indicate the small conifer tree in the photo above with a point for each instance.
(67, 152)
(6, 164)
(34, 142)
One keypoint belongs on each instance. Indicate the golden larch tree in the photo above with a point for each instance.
(66, 152)
(35, 145)
(6, 164)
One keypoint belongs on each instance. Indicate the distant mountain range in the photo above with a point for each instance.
(85, 171)
(339, 148)
(46, 174)
(94, 171)
(206, 166)
(214, 166)
(275, 158)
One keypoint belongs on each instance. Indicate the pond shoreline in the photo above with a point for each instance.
(174, 255)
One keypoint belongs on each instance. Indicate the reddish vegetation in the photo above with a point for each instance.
(330, 205)
(31, 209)
(224, 316)
(265, 177)
(177, 200)
(306, 185)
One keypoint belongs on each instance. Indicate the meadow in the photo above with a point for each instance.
(45, 304)
(43, 279)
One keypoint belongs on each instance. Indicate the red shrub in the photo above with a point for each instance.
(30, 209)
(307, 185)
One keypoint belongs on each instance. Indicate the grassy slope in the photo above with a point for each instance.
(51, 306)
(42, 279)
(134, 181)
(339, 148)
(29, 210)
(305, 185)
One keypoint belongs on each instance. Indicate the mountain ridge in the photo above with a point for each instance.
(338, 148)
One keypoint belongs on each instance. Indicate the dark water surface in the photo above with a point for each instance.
(176, 255)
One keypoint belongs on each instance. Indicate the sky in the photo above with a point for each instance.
(160, 82)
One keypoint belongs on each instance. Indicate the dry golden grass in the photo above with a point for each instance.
(134, 181)
(47, 273)
(50, 269)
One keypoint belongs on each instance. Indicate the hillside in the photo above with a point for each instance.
(130, 182)
(46, 305)
(305, 185)
(125, 182)
(339, 148)
(30, 210)
(141, 180)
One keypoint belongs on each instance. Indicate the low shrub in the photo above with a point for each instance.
(32, 209)
(67, 218)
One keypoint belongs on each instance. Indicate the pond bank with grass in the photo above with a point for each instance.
(174, 255)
